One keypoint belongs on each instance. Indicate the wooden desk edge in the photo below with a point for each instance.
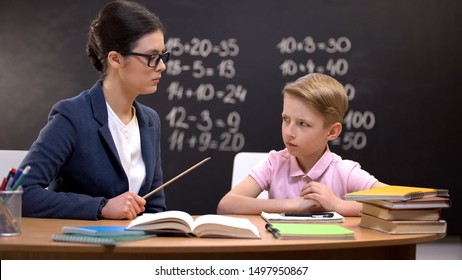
(376, 245)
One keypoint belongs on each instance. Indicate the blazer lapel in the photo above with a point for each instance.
(147, 136)
(98, 104)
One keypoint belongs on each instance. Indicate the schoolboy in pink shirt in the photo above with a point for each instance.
(306, 176)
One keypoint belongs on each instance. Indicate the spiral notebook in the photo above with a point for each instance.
(101, 240)
(100, 230)
(396, 193)
(103, 235)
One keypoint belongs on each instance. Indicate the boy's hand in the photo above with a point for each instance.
(306, 205)
(321, 194)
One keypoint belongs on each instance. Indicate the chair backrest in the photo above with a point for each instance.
(243, 163)
(9, 159)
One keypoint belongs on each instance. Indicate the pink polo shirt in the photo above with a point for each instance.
(282, 177)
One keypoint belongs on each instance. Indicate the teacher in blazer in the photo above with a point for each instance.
(99, 153)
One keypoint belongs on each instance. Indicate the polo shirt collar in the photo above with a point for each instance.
(318, 169)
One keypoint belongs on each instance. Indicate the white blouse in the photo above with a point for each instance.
(128, 143)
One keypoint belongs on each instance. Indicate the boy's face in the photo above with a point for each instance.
(303, 131)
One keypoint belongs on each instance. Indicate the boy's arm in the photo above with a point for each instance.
(330, 202)
(353, 208)
(242, 199)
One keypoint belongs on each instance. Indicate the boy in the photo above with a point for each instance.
(306, 176)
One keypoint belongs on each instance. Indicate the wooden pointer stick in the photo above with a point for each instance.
(175, 178)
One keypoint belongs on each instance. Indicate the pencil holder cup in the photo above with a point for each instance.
(10, 212)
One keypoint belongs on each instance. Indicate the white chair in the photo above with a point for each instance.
(243, 163)
(9, 159)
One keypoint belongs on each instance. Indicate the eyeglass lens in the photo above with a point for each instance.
(164, 56)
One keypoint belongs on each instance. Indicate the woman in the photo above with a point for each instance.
(99, 153)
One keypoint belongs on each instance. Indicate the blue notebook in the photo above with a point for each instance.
(101, 240)
(102, 235)
(101, 230)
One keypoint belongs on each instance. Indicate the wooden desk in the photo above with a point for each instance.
(35, 243)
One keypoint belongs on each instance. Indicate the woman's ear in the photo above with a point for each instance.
(334, 131)
(114, 59)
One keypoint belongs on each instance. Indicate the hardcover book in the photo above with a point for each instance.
(420, 203)
(401, 214)
(203, 226)
(402, 227)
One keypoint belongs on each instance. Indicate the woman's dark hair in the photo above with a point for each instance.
(118, 27)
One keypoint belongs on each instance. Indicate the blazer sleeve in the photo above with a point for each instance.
(46, 156)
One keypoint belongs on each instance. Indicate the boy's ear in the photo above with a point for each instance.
(334, 131)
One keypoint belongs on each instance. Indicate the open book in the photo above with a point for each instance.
(203, 226)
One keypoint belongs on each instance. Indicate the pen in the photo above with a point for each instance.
(18, 181)
(273, 231)
(9, 179)
(3, 184)
(312, 215)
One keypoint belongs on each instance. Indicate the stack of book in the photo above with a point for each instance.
(403, 210)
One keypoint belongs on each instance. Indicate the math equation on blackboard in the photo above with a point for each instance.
(193, 124)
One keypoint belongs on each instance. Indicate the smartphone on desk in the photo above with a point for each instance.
(303, 217)
(312, 215)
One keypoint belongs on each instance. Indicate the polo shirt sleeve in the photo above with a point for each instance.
(263, 171)
(359, 179)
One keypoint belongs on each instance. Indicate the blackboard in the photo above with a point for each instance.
(221, 94)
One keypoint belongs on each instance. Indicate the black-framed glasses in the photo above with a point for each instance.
(153, 59)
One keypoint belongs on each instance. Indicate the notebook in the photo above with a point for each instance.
(309, 231)
(103, 235)
(396, 193)
(101, 240)
(100, 230)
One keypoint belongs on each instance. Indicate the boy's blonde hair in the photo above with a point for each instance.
(324, 93)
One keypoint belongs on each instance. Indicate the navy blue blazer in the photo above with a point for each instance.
(74, 161)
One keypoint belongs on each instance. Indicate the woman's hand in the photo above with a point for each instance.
(125, 206)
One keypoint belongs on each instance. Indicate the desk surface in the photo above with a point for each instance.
(35, 243)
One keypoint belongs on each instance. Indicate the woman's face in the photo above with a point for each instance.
(136, 76)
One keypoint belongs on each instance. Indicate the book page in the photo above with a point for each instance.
(219, 225)
(178, 220)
